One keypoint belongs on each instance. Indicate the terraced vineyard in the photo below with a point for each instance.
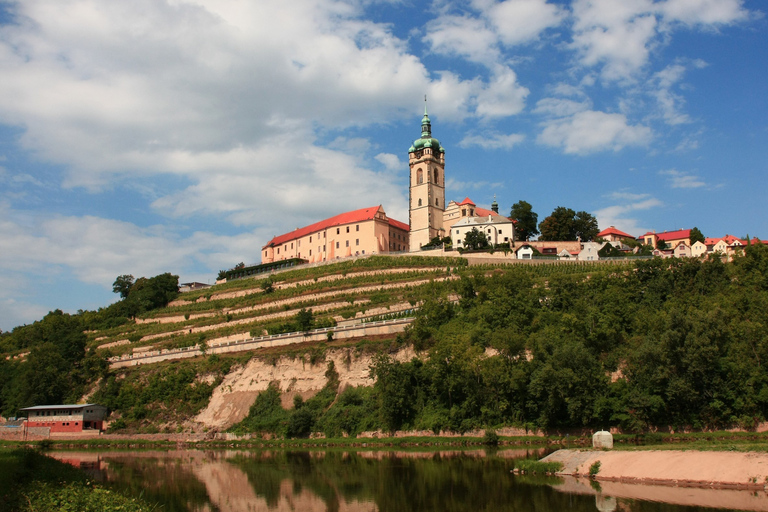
(336, 294)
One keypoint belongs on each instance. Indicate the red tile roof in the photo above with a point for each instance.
(729, 239)
(360, 215)
(397, 224)
(482, 212)
(613, 231)
(670, 235)
(466, 201)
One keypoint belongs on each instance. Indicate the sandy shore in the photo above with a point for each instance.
(736, 470)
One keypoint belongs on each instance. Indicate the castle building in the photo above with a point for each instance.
(370, 231)
(363, 231)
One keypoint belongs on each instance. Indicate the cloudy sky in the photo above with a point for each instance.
(180, 135)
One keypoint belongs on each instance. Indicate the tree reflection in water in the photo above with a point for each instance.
(349, 481)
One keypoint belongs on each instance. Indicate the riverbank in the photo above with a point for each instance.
(715, 469)
(32, 482)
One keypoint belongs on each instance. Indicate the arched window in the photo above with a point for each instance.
(419, 177)
(419, 202)
(435, 180)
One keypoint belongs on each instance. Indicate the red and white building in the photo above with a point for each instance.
(355, 233)
(66, 418)
(612, 234)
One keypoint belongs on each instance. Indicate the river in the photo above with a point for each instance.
(377, 481)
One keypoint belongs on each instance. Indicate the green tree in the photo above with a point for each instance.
(696, 236)
(585, 226)
(123, 284)
(304, 320)
(155, 292)
(564, 224)
(475, 240)
(609, 251)
(526, 220)
(559, 226)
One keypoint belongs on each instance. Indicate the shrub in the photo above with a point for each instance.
(594, 469)
(491, 438)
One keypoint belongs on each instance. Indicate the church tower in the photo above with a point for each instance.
(426, 158)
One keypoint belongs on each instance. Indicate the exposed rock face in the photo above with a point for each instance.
(232, 399)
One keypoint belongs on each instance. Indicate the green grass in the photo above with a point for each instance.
(531, 466)
(33, 482)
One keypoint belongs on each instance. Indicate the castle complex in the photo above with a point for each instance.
(370, 231)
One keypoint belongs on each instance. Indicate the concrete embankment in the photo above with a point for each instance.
(737, 470)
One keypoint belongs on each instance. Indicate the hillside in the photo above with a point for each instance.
(674, 344)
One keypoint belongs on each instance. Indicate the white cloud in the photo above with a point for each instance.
(464, 36)
(503, 96)
(390, 161)
(669, 102)
(478, 36)
(618, 215)
(590, 131)
(312, 184)
(704, 12)
(115, 88)
(620, 35)
(492, 141)
(95, 250)
(520, 21)
(679, 179)
(559, 107)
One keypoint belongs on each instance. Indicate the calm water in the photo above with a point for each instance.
(381, 481)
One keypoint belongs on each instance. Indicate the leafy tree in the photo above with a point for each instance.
(696, 236)
(123, 284)
(475, 240)
(304, 320)
(395, 390)
(155, 292)
(559, 226)
(585, 226)
(526, 220)
(661, 244)
(564, 224)
(609, 251)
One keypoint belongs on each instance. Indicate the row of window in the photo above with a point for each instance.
(56, 413)
(437, 202)
(298, 242)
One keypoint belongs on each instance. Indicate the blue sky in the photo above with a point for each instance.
(179, 136)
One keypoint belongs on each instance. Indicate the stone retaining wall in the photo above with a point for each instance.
(339, 332)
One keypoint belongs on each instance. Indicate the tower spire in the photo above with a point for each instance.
(426, 126)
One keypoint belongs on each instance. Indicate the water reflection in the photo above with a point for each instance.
(380, 481)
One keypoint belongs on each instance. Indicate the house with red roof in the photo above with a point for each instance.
(670, 238)
(612, 234)
(355, 233)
